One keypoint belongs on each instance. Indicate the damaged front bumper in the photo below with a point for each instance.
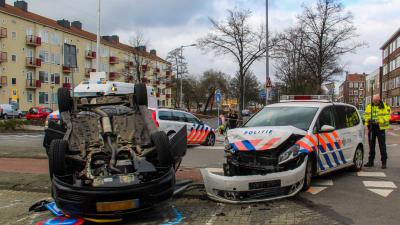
(254, 188)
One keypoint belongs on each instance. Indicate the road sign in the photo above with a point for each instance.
(268, 83)
(218, 96)
(263, 94)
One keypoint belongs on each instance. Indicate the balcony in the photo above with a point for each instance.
(67, 86)
(128, 64)
(88, 71)
(143, 68)
(89, 54)
(157, 70)
(33, 40)
(113, 75)
(66, 69)
(114, 60)
(3, 57)
(168, 84)
(33, 62)
(157, 95)
(33, 84)
(3, 32)
(168, 73)
(168, 95)
(3, 81)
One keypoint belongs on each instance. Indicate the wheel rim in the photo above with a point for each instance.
(211, 140)
(358, 158)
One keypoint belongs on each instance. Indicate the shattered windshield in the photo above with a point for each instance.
(300, 117)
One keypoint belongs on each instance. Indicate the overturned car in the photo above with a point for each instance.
(278, 151)
(112, 160)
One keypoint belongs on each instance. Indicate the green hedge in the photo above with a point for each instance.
(14, 124)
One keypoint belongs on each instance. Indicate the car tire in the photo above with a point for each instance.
(308, 174)
(210, 140)
(358, 160)
(141, 94)
(164, 154)
(57, 164)
(64, 100)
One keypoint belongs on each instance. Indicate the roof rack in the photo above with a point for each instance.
(306, 98)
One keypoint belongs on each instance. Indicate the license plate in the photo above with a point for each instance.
(264, 184)
(117, 206)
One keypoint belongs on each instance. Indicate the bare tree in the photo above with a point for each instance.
(329, 33)
(210, 82)
(179, 67)
(252, 87)
(234, 36)
(139, 43)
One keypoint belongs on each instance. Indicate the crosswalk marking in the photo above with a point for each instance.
(380, 184)
(381, 192)
(315, 190)
(371, 174)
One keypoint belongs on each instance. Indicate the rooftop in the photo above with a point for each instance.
(355, 77)
(15, 11)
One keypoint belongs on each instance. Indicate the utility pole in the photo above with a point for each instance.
(98, 38)
(267, 52)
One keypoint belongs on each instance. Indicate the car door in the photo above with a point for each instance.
(180, 121)
(198, 131)
(348, 131)
(329, 148)
(13, 111)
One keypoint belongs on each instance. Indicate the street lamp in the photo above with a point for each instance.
(181, 75)
(267, 52)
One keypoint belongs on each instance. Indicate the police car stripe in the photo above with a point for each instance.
(342, 156)
(326, 157)
(321, 166)
(248, 145)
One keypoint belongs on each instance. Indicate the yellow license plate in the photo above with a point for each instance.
(117, 206)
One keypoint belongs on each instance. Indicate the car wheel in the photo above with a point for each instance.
(141, 94)
(308, 174)
(5, 116)
(64, 100)
(57, 165)
(210, 140)
(171, 134)
(164, 154)
(358, 159)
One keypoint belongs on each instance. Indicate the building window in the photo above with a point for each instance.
(13, 81)
(44, 56)
(29, 96)
(55, 58)
(385, 69)
(55, 78)
(355, 84)
(29, 31)
(67, 80)
(350, 84)
(44, 77)
(14, 58)
(43, 98)
(44, 34)
(55, 39)
(14, 35)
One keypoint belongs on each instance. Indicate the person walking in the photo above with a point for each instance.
(376, 117)
(233, 118)
(221, 122)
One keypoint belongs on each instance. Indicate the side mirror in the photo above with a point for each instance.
(327, 128)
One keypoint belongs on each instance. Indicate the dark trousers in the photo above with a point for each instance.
(373, 134)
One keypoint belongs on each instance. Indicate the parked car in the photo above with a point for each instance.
(38, 112)
(171, 121)
(9, 111)
(395, 117)
(278, 151)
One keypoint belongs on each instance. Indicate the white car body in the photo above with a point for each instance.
(9, 111)
(329, 151)
(171, 121)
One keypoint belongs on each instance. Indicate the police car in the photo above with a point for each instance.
(277, 152)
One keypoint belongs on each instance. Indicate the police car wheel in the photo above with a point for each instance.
(308, 174)
(57, 165)
(164, 154)
(64, 100)
(358, 160)
(141, 94)
(210, 140)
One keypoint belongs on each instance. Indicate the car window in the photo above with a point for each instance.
(33, 110)
(326, 117)
(300, 117)
(346, 116)
(165, 115)
(191, 119)
(179, 116)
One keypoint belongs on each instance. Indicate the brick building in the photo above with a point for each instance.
(352, 90)
(391, 71)
(32, 56)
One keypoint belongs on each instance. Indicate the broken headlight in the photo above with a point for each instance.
(289, 154)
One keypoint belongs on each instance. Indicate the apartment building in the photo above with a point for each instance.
(372, 77)
(32, 59)
(391, 71)
(352, 90)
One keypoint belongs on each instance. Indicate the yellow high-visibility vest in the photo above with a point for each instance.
(380, 115)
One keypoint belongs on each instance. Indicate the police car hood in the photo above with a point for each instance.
(261, 138)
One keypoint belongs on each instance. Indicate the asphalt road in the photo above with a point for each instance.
(344, 197)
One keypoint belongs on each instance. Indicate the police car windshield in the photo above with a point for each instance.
(300, 117)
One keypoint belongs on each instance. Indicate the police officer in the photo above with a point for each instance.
(377, 125)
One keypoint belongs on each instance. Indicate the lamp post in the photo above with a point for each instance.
(98, 38)
(267, 52)
(181, 72)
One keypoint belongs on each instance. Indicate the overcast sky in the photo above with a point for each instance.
(168, 24)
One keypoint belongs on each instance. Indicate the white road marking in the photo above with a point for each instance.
(371, 174)
(380, 184)
(381, 192)
(393, 134)
(392, 145)
(322, 182)
(218, 211)
(315, 190)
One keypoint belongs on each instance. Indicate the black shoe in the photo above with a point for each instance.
(383, 165)
(369, 164)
